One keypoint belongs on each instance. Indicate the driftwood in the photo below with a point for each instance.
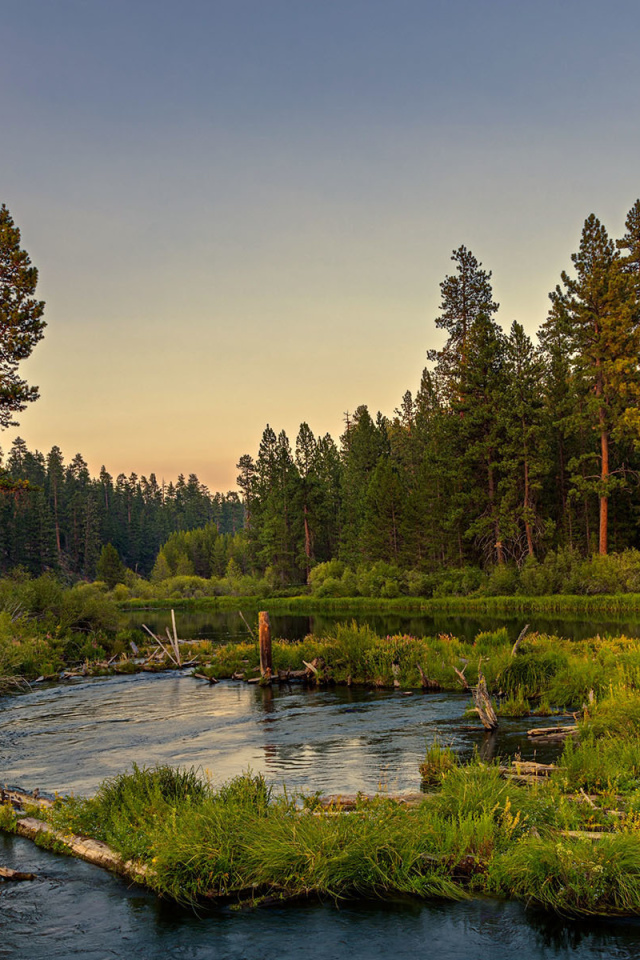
(246, 624)
(523, 632)
(528, 771)
(93, 851)
(176, 644)
(461, 678)
(342, 802)
(483, 705)
(19, 799)
(552, 733)
(427, 684)
(202, 676)
(586, 834)
(7, 874)
(160, 643)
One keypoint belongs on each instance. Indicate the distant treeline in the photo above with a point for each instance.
(61, 517)
(509, 448)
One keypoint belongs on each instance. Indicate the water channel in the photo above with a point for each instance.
(69, 737)
(228, 626)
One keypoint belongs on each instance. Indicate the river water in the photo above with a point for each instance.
(69, 737)
(227, 626)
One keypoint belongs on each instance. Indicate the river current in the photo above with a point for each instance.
(70, 737)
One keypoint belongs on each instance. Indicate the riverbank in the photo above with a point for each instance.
(557, 604)
(570, 843)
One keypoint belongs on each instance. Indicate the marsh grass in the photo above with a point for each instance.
(517, 705)
(438, 761)
(476, 834)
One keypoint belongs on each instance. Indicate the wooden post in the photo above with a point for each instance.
(265, 644)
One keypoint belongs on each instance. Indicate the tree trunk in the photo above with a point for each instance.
(604, 472)
(527, 524)
(307, 541)
(604, 476)
(496, 522)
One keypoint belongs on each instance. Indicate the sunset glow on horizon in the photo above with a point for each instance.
(241, 212)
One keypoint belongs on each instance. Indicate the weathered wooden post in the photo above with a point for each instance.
(266, 664)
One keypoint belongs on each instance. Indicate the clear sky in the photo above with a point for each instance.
(241, 209)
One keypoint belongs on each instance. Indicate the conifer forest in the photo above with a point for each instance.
(510, 448)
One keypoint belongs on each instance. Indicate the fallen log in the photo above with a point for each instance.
(8, 874)
(529, 768)
(202, 676)
(552, 733)
(344, 802)
(93, 851)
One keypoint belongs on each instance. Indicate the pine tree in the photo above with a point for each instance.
(599, 310)
(466, 296)
(110, 568)
(524, 458)
(21, 323)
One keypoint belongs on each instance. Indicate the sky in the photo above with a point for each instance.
(241, 210)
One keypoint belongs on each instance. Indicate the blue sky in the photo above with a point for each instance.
(241, 211)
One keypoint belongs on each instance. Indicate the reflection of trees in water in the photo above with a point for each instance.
(487, 749)
(228, 626)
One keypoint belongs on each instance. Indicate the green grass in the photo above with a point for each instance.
(557, 604)
(477, 834)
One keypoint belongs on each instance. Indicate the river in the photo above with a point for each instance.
(228, 626)
(69, 737)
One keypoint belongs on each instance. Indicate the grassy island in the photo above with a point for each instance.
(569, 843)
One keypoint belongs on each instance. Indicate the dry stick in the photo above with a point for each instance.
(158, 641)
(518, 641)
(427, 684)
(461, 677)
(247, 625)
(168, 632)
(175, 637)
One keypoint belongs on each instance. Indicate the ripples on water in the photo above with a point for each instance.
(71, 737)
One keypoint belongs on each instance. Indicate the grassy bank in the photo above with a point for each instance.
(546, 671)
(557, 605)
(571, 845)
(46, 628)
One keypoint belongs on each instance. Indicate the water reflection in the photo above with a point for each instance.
(227, 626)
(339, 740)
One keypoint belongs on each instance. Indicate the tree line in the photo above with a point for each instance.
(56, 517)
(509, 448)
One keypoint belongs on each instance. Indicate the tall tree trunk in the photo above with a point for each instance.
(55, 517)
(307, 541)
(496, 521)
(604, 476)
(604, 465)
(527, 524)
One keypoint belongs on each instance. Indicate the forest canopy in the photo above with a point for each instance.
(509, 448)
